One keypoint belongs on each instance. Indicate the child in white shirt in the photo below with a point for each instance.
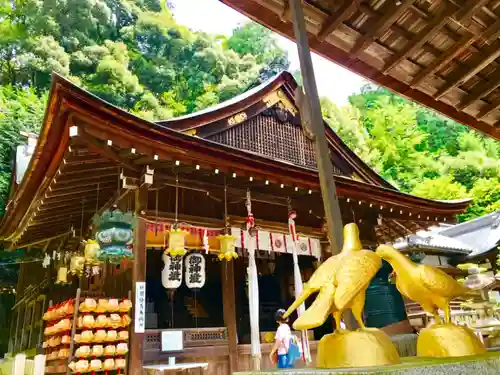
(282, 341)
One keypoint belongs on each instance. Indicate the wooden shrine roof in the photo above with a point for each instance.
(441, 53)
(87, 150)
(218, 119)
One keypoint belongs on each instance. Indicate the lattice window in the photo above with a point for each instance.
(279, 139)
(217, 335)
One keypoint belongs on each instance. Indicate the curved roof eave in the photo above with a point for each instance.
(66, 97)
(226, 108)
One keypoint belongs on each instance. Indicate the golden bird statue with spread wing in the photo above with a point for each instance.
(433, 289)
(341, 283)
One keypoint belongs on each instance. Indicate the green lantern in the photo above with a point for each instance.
(115, 235)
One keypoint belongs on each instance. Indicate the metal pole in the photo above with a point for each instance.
(325, 168)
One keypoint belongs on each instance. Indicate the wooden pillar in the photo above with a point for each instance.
(229, 308)
(313, 109)
(138, 275)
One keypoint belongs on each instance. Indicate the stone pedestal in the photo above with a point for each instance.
(488, 364)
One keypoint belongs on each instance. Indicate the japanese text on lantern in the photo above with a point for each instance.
(140, 307)
(175, 269)
(195, 271)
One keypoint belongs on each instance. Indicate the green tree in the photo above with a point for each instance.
(20, 110)
(256, 40)
(440, 188)
(422, 152)
(486, 198)
(131, 53)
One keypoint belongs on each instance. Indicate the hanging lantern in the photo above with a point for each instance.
(62, 276)
(115, 235)
(91, 252)
(227, 247)
(171, 275)
(195, 271)
(76, 265)
(176, 242)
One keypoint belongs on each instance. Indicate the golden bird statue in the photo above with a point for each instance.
(341, 282)
(433, 289)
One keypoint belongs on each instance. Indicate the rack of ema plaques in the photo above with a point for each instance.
(341, 282)
(87, 335)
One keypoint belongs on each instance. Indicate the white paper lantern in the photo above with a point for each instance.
(195, 271)
(171, 275)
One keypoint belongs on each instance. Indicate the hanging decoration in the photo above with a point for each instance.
(227, 240)
(46, 260)
(62, 271)
(194, 230)
(77, 265)
(227, 247)
(253, 284)
(177, 241)
(204, 241)
(91, 252)
(62, 276)
(171, 274)
(292, 215)
(195, 271)
(177, 235)
(115, 235)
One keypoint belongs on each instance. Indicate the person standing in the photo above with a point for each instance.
(279, 353)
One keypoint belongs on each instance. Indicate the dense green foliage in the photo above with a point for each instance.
(131, 53)
(418, 151)
(134, 54)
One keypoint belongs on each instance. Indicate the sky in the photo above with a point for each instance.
(213, 17)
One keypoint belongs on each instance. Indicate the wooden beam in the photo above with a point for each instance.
(36, 242)
(103, 149)
(229, 310)
(323, 161)
(402, 226)
(90, 181)
(285, 15)
(392, 12)
(490, 108)
(419, 39)
(392, 225)
(464, 42)
(65, 178)
(482, 60)
(55, 193)
(492, 32)
(70, 173)
(138, 275)
(63, 203)
(259, 13)
(346, 10)
(49, 217)
(469, 9)
(482, 90)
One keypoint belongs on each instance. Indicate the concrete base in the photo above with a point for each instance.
(488, 364)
